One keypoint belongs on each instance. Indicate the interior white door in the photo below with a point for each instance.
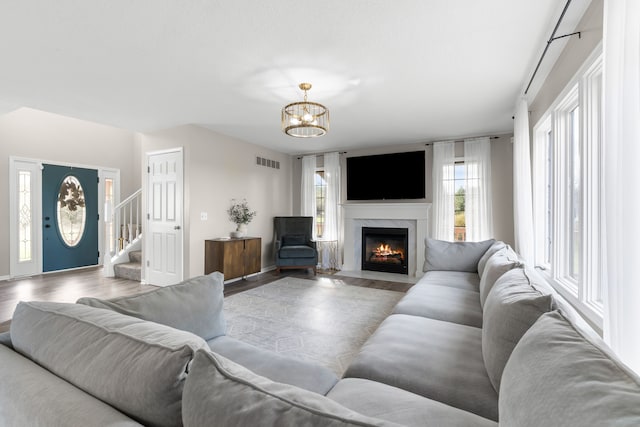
(164, 235)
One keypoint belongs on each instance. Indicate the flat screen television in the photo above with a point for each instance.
(386, 176)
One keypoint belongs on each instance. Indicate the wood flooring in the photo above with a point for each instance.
(69, 286)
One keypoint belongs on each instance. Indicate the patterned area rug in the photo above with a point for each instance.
(318, 321)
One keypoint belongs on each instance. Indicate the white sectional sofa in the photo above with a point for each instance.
(481, 340)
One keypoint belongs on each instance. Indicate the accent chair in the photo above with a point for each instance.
(294, 244)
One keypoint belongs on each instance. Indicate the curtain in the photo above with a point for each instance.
(308, 189)
(443, 190)
(622, 178)
(522, 193)
(477, 162)
(330, 237)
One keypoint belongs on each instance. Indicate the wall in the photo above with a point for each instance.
(217, 169)
(45, 136)
(502, 179)
(571, 59)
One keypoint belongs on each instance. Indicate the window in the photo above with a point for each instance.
(567, 167)
(24, 216)
(460, 185)
(321, 201)
(109, 203)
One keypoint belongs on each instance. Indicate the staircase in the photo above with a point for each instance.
(131, 270)
(124, 258)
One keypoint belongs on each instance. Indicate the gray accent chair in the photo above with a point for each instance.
(294, 245)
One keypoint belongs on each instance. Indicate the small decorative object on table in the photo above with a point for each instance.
(241, 215)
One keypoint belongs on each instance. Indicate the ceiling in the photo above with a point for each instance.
(391, 72)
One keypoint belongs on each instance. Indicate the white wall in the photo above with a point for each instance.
(502, 179)
(571, 59)
(217, 169)
(39, 135)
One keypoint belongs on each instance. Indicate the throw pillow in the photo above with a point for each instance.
(194, 305)
(562, 374)
(516, 301)
(137, 367)
(220, 392)
(454, 256)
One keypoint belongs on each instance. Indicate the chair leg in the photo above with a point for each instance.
(315, 271)
(278, 270)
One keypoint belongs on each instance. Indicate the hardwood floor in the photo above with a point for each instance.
(69, 286)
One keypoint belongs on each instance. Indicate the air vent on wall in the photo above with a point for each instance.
(261, 161)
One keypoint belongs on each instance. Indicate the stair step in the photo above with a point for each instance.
(135, 256)
(128, 270)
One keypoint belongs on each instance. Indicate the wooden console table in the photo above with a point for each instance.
(233, 257)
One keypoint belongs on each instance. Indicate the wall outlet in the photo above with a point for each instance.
(203, 216)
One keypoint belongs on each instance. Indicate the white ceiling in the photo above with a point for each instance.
(391, 72)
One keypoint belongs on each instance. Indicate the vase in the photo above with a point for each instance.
(241, 231)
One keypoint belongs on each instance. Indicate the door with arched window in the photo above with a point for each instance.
(69, 217)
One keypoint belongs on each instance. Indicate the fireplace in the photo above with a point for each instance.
(385, 249)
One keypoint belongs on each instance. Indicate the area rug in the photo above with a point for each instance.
(318, 321)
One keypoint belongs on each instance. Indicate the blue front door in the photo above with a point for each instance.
(70, 217)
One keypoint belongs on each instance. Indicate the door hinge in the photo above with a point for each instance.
(98, 217)
(148, 263)
(148, 216)
(148, 169)
(98, 180)
(98, 254)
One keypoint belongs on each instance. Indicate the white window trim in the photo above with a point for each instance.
(584, 89)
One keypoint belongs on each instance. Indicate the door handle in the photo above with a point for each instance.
(177, 227)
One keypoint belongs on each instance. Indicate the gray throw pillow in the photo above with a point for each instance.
(454, 256)
(492, 250)
(221, 392)
(137, 367)
(516, 301)
(498, 264)
(562, 374)
(194, 305)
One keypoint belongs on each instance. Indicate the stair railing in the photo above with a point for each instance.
(127, 222)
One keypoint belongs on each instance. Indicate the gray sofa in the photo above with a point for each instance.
(481, 338)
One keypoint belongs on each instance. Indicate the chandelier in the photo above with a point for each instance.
(305, 119)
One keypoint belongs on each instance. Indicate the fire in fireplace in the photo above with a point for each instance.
(385, 249)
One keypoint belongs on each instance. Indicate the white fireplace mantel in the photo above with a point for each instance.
(415, 216)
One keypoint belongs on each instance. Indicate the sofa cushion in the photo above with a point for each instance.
(32, 396)
(492, 250)
(274, 366)
(562, 374)
(499, 263)
(136, 366)
(389, 403)
(294, 240)
(194, 305)
(454, 279)
(516, 301)
(435, 359)
(442, 303)
(220, 392)
(454, 256)
(297, 251)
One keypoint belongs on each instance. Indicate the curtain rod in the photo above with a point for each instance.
(552, 38)
(320, 154)
(461, 140)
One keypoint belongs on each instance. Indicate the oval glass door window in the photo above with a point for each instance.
(71, 211)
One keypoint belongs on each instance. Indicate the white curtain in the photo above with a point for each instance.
(477, 162)
(622, 177)
(522, 193)
(308, 189)
(330, 236)
(443, 190)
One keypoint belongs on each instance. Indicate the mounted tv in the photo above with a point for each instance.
(386, 176)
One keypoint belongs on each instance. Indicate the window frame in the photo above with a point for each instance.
(551, 141)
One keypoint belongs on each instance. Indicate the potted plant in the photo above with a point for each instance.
(241, 215)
